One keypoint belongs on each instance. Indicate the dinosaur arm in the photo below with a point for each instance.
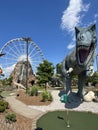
(65, 71)
(90, 71)
(68, 63)
(69, 70)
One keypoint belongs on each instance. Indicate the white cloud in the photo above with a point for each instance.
(96, 16)
(7, 71)
(71, 16)
(71, 45)
(85, 7)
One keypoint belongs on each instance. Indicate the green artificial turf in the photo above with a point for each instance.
(77, 120)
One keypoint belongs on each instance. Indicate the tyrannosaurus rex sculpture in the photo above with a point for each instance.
(80, 60)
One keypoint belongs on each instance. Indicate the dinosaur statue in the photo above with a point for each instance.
(80, 60)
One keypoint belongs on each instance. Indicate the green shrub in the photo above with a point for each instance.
(1, 102)
(34, 91)
(50, 98)
(46, 96)
(11, 117)
(3, 105)
(6, 104)
(2, 108)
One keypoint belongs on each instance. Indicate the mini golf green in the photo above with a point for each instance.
(77, 120)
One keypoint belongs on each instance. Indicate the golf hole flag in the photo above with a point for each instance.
(63, 98)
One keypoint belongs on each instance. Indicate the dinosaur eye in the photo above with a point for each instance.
(81, 37)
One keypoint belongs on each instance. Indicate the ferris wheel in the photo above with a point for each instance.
(17, 50)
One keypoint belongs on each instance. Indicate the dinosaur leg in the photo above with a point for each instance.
(81, 83)
(67, 85)
(70, 97)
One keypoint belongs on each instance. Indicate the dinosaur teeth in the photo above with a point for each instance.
(83, 47)
(84, 53)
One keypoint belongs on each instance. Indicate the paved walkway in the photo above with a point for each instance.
(24, 110)
(57, 105)
(21, 108)
(34, 112)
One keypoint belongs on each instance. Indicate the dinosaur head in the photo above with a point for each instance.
(85, 44)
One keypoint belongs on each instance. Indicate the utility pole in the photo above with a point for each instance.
(27, 40)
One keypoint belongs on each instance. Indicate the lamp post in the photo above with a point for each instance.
(27, 40)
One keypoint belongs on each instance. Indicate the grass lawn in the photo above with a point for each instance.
(78, 121)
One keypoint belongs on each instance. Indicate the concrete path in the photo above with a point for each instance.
(33, 111)
(22, 109)
(57, 105)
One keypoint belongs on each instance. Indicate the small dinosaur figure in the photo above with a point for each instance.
(80, 60)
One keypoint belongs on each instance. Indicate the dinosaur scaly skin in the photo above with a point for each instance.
(80, 60)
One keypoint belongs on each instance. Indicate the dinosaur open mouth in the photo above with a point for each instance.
(84, 52)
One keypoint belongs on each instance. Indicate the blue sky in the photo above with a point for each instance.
(49, 23)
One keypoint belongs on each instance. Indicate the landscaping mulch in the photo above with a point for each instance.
(31, 100)
(22, 123)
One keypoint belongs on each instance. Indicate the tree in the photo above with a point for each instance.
(45, 72)
(92, 79)
(95, 78)
(59, 71)
(59, 68)
(7, 81)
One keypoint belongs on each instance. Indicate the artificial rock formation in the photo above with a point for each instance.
(89, 96)
(19, 73)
